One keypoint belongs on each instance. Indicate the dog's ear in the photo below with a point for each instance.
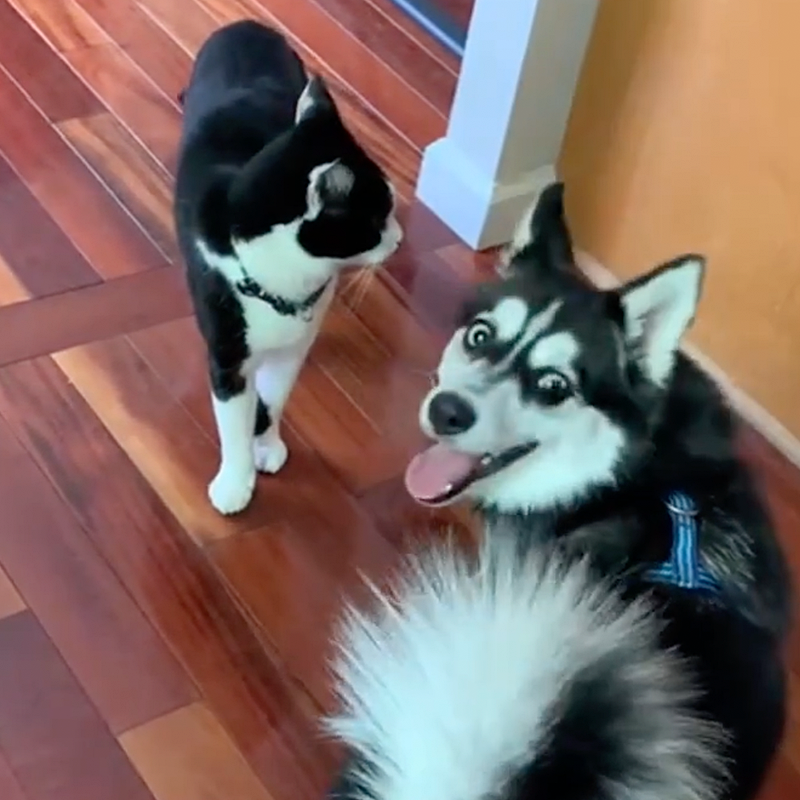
(542, 239)
(658, 308)
(315, 99)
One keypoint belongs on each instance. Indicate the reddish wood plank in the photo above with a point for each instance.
(429, 287)
(33, 246)
(410, 113)
(9, 786)
(103, 231)
(140, 183)
(292, 576)
(180, 594)
(132, 96)
(11, 290)
(55, 741)
(10, 603)
(40, 72)
(399, 52)
(418, 34)
(158, 434)
(147, 43)
(63, 24)
(120, 661)
(189, 30)
(66, 320)
(187, 755)
(783, 781)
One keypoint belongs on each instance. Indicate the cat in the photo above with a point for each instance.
(273, 197)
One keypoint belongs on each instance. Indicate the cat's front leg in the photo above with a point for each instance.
(234, 400)
(275, 377)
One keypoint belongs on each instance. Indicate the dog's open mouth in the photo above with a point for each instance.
(440, 474)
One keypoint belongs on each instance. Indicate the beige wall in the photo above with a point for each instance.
(685, 136)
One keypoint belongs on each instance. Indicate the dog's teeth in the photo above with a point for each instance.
(486, 460)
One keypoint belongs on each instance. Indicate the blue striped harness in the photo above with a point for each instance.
(683, 568)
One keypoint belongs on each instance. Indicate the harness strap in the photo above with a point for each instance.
(684, 567)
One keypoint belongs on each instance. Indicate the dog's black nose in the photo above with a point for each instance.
(450, 414)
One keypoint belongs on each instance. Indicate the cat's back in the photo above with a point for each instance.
(245, 82)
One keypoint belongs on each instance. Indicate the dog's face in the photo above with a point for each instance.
(548, 382)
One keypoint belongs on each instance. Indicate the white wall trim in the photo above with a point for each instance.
(780, 437)
(518, 76)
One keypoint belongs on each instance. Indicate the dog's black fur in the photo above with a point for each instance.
(688, 439)
(680, 437)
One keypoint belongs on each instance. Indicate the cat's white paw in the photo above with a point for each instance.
(231, 490)
(270, 454)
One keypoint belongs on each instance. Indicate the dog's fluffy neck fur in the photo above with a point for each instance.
(690, 448)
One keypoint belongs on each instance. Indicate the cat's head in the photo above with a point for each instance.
(324, 193)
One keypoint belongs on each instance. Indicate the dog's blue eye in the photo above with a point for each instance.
(480, 333)
(552, 388)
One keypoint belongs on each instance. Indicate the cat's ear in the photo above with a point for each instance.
(658, 308)
(328, 185)
(315, 99)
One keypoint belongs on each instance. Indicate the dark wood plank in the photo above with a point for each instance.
(65, 320)
(63, 24)
(53, 738)
(33, 246)
(140, 183)
(39, 70)
(146, 42)
(120, 661)
(9, 786)
(132, 97)
(103, 231)
(173, 583)
(458, 10)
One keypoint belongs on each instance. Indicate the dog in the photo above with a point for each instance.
(619, 635)
(273, 198)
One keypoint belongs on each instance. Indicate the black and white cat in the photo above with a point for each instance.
(273, 197)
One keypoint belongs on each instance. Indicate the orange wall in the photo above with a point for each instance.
(685, 136)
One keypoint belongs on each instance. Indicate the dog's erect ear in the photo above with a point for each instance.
(315, 99)
(542, 238)
(658, 308)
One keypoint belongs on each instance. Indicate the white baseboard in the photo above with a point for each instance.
(752, 412)
(479, 211)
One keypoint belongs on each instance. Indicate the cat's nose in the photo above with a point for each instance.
(449, 414)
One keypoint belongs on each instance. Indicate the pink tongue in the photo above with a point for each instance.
(431, 473)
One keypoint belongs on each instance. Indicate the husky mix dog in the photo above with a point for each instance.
(273, 197)
(619, 635)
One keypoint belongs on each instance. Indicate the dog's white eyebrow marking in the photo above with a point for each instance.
(509, 315)
(557, 350)
(538, 324)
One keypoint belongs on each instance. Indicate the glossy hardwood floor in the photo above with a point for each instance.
(148, 647)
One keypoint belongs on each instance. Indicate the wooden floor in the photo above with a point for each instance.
(148, 647)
